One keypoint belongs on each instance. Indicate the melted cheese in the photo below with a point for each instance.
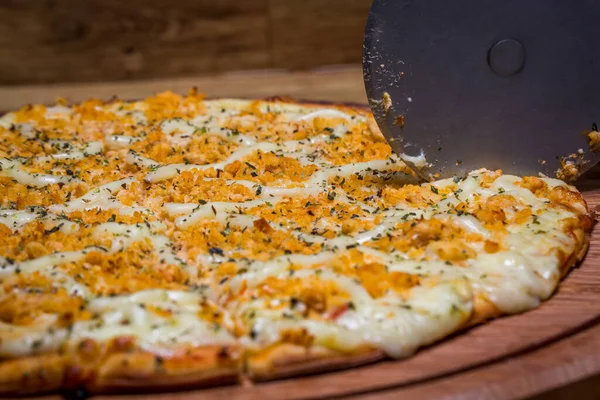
(89, 149)
(12, 169)
(102, 198)
(16, 219)
(129, 316)
(120, 141)
(170, 171)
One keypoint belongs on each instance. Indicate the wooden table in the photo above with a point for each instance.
(552, 352)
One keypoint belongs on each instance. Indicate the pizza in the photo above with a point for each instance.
(179, 241)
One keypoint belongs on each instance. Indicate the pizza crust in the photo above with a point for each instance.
(581, 234)
(123, 371)
(35, 374)
(286, 360)
(141, 372)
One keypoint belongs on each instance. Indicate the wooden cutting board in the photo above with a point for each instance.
(509, 358)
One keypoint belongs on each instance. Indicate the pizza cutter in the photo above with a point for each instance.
(500, 84)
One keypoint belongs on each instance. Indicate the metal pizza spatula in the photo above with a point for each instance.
(509, 84)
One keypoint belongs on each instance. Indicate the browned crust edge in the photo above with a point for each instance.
(121, 371)
(34, 374)
(288, 360)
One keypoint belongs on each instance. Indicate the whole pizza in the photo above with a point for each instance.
(179, 241)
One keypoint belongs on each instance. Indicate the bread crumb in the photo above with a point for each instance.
(386, 102)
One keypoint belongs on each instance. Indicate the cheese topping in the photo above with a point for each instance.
(183, 222)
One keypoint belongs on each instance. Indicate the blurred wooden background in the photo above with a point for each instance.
(59, 41)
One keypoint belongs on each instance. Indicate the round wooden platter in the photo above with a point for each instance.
(512, 357)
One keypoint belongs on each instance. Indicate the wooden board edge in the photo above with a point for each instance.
(539, 373)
